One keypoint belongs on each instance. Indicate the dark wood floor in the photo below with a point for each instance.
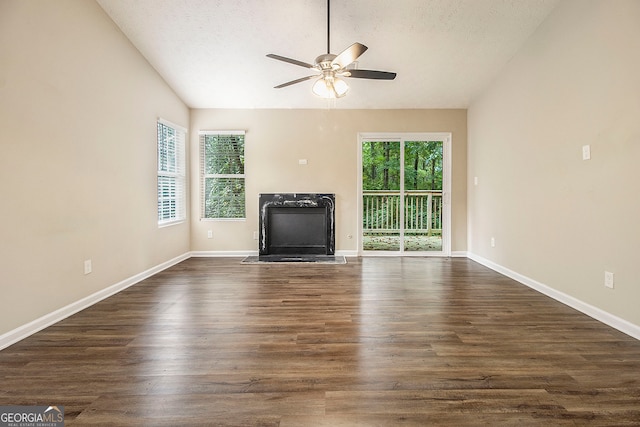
(375, 342)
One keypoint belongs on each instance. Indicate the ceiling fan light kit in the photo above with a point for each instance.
(326, 87)
(330, 68)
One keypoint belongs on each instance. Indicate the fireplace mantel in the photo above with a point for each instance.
(297, 224)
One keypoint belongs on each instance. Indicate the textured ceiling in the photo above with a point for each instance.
(212, 52)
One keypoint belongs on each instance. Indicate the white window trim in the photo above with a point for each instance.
(204, 176)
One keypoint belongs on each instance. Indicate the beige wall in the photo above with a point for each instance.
(78, 109)
(328, 139)
(558, 219)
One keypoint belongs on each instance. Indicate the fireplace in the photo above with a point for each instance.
(296, 224)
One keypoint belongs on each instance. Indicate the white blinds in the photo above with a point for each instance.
(171, 173)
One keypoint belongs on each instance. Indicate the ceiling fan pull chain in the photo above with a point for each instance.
(328, 26)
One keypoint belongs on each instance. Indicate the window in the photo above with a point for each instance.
(171, 173)
(222, 174)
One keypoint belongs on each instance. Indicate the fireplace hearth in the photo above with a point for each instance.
(296, 224)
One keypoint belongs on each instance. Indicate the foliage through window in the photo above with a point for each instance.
(171, 173)
(222, 173)
(422, 165)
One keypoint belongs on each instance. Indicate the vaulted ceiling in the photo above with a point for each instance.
(212, 52)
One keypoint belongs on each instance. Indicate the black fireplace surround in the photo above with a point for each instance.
(296, 224)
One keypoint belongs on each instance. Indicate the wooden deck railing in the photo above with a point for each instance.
(422, 212)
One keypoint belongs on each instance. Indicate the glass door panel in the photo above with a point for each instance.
(422, 196)
(381, 196)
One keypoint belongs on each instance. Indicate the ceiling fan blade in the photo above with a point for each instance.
(349, 55)
(292, 82)
(370, 74)
(290, 61)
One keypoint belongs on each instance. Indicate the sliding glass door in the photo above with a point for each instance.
(404, 185)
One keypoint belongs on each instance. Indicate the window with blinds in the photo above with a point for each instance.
(222, 174)
(171, 173)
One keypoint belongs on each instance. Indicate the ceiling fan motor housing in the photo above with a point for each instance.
(325, 62)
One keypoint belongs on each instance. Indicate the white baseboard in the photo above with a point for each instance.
(459, 254)
(203, 254)
(227, 254)
(31, 328)
(347, 254)
(591, 311)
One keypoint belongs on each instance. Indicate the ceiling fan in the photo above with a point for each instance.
(331, 68)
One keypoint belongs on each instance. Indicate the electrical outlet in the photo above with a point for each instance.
(210, 234)
(493, 242)
(475, 180)
(87, 267)
(608, 279)
(586, 152)
(255, 235)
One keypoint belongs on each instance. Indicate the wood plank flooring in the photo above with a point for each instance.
(375, 342)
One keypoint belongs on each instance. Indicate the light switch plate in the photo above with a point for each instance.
(608, 279)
